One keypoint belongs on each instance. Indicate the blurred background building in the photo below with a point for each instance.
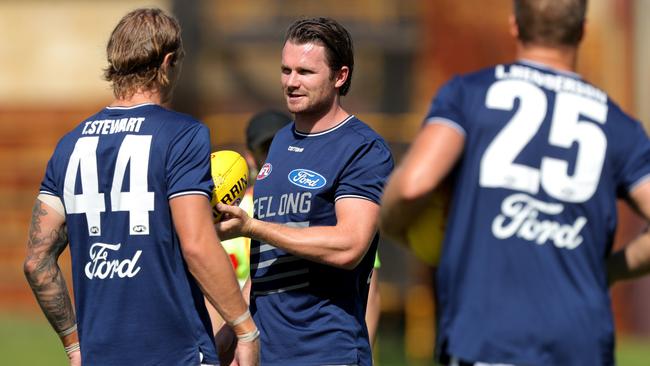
(52, 54)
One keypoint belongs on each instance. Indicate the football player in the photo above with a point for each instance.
(316, 205)
(538, 157)
(129, 190)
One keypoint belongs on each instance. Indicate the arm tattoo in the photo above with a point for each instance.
(44, 246)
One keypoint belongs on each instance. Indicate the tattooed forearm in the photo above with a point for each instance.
(47, 239)
(51, 291)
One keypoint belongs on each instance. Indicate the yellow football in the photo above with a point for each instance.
(425, 235)
(230, 176)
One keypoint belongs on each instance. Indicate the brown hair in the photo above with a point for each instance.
(550, 22)
(331, 35)
(137, 48)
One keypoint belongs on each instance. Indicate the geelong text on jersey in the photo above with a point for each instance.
(289, 203)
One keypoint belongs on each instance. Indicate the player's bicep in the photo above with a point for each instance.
(47, 233)
(192, 217)
(430, 158)
(358, 219)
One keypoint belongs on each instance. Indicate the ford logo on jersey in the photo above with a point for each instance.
(307, 179)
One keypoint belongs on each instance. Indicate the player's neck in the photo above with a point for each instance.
(139, 97)
(559, 58)
(320, 121)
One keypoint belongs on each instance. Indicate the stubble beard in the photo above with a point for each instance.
(311, 110)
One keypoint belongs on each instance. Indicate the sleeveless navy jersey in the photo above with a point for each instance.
(136, 302)
(310, 313)
(522, 279)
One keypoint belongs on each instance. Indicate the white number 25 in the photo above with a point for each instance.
(498, 168)
(137, 201)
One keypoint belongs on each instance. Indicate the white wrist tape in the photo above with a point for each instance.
(68, 331)
(72, 348)
(250, 336)
(240, 319)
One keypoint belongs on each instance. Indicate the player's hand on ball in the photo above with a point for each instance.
(234, 222)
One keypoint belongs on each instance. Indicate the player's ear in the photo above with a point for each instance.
(341, 76)
(512, 26)
(584, 30)
(168, 60)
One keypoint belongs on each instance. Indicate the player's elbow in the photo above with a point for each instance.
(29, 267)
(192, 253)
(195, 243)
(32, 267)
(348, 259)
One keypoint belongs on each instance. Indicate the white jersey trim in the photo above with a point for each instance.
(185, 193)
(130, 107)
(639, 182)
(53, 201)
(353, 196)
(326, 131)
(447, 122)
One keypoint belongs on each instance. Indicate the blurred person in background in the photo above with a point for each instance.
(538, 157)
(316, 206)
(129, 190)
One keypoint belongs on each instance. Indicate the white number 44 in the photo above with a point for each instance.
(137, 201)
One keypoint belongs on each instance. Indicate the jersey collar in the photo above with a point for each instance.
(349, 118)
(130, 107)
(542, 66)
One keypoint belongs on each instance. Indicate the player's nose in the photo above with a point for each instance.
(292, 81)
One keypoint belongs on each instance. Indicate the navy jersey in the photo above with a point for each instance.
(309, 313)
(136, 302)
(522, 279)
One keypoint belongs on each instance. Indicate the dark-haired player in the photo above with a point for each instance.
(316, 210)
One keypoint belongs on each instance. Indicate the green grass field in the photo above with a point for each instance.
(29, 341)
